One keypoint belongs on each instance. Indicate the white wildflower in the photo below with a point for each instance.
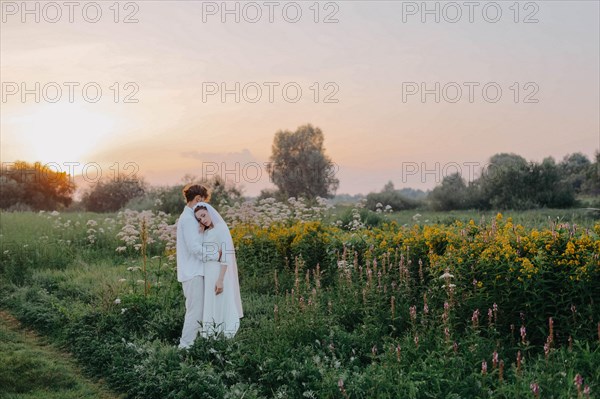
(446, 275)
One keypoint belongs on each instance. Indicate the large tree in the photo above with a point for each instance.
(34, 186)
(451, 194)
(510, 182)
(299, 166)
(592, 182)
(506, 182)
(574, 168)
(111, 195)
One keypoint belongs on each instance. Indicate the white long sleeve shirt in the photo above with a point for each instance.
(190, 248)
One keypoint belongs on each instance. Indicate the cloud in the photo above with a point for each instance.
(244, 156)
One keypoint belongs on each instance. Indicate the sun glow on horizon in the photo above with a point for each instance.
(61, 132)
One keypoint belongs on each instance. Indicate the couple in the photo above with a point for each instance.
(207, 270)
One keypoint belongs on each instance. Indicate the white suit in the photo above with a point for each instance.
(190, 272)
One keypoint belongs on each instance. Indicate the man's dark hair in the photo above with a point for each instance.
(192, 190)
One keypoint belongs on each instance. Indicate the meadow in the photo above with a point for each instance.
(338, 303)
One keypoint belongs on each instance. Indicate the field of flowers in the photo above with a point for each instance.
(479, 308)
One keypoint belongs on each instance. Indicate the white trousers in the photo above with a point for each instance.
(193, 290)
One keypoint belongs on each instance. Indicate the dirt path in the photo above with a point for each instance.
(31, 368)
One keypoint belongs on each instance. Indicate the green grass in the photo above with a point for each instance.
(295, 344)
(534, 218)
(32, 369)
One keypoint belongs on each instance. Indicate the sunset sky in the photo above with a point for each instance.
(371, 57)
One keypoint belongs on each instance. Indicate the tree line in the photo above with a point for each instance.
(300, 167)
(508, 181)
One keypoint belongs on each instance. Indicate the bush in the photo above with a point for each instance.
(390, 196)
(451, 194)
(112, 195)
(367, 218)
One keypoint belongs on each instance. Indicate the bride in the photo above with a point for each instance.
(222, 301)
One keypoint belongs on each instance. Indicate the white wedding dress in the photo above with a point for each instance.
(222, 312)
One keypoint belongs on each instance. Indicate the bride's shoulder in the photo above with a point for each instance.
(217, 229)
(220, 227)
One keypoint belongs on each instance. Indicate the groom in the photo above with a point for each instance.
(190, 268)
